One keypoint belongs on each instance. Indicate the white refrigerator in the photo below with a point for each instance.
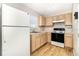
(15, 32)
(76, 30)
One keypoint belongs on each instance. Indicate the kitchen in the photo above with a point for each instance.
(59, 25)
(46, 30)
(40, 38)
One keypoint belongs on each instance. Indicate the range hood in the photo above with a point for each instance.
(58, 21)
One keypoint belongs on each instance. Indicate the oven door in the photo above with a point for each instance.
(57, 37)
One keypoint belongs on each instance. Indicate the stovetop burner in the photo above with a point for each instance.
(59, 30)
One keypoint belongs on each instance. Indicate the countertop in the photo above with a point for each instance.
(36, 33)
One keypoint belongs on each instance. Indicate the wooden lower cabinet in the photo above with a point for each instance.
(37, 41)
(68, 41)
(43, 38)
(48, 36)
(33, 47)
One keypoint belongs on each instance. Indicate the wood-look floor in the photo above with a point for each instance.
(51, 50)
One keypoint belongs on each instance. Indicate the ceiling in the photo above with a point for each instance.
(47, 9)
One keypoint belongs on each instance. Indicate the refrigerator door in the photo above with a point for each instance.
(75, 30)
(15, 41)
(14, 17)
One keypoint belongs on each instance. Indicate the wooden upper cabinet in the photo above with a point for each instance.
(54, 18)
(41, 21)
(49, 21)
(61, 17)
(68, 19)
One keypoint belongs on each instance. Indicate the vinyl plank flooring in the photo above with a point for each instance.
(51, 50)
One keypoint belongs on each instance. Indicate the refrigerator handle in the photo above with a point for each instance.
(76, 15)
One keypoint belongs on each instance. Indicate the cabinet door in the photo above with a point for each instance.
(49, 21)
(45, 38)
(68, 19)
(42, 39)
(41, 21)
(49, 37)
(37, 42)
(68, 41)
(54, 18)
(33, 39)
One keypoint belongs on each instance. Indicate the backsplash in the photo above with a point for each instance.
(68, 29)
(35, 29)
(48, 29)
(55, 25)
(59, 25)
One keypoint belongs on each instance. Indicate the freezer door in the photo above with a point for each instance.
(14, 17)
(15, 41)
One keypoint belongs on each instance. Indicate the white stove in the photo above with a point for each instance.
(58, 37)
